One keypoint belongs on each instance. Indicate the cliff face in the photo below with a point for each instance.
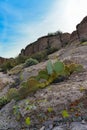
(80, 34)
(58, 41)
(82, 30)
(42, 43)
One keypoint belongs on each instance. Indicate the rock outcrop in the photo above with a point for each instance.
(82, 30)
(58, 40)
(55, 98)
(80, 34)
(74, 37)
(54, 41)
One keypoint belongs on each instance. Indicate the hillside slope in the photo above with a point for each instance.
(61, 105)
(58, 39)
(47, 104)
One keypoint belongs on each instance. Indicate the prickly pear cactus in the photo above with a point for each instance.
(49, 67)
(58, 67)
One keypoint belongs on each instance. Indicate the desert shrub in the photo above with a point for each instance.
(28, 87)
(74, 67)
(83, 40)
(6, 66)
(54, 72)
(64, 44)
(12, 94)
(59, 71)
(20, 59)
(50, 34)
(3, 101)
(51, 50)
(55, 33)
(43, 74)
(30, 62)
(58, 32)
(41, 56)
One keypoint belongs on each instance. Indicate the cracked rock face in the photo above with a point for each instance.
(56, 96)
(7, 119)
(78, 126)
(82, 29)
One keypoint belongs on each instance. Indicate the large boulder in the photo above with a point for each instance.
(82, 30)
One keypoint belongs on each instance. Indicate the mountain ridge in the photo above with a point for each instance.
(57, 40)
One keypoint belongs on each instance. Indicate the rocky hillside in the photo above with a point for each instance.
(50, 95)
(58, 40)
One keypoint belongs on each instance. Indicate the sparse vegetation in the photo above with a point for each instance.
(40, 56)
(7, 66)
(84, 43)
(30, 62)
(43, 79)
(3, 100)
(55, 33)
(20, 59)
(83, 40)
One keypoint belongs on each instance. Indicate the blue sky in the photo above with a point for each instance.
(23, 21)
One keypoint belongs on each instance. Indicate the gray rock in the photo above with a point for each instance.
(7, 119)
(43, 128)
(50, 126)
(59, 128)
(78, 126)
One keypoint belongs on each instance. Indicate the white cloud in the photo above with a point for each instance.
(64, 15)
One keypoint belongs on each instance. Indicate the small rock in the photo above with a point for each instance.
(78, 126)
(83, 122)
(50, 126)
(43, 128)
(48, 123)
(58, 128)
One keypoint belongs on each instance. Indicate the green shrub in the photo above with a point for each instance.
(6, 66)
(42, 75)
(28, 87)
(41, 56)
(3, 101)
(30, 62)
(83, 40)
(51, 50)
(12, 94)
(57, 71)
(20, 59)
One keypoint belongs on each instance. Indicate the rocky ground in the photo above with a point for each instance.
(45, 108)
